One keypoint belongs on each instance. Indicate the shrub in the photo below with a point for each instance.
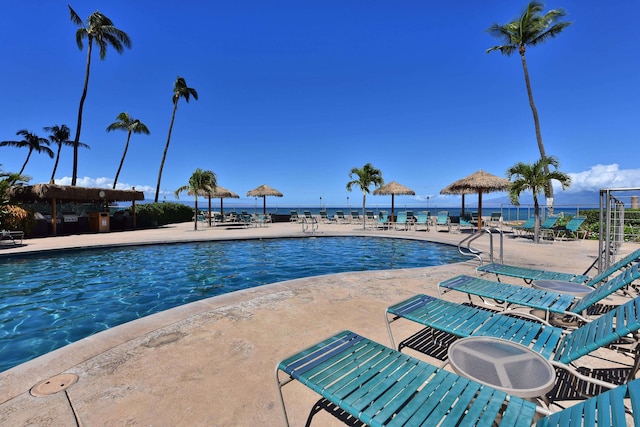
(150, 215)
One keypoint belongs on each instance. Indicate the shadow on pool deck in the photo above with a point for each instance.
(212, 362)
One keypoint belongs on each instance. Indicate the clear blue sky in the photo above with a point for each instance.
(296, 93)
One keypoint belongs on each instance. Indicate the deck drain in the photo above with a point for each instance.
(54, 385)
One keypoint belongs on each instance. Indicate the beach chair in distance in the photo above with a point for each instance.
(466, 222)
(355, 217)
(340, 218)
(516, 297)
(572, 229)
(383, 220)
(495, 220)
(293, 217)
(370, 219)
(547, 226)
(522, 229)
(443, 220)
(401, 222)
(325, 218)
(380, 386)
(422, 220)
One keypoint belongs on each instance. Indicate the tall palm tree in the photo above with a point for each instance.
(100, 29)
(125, 122)
(534, 177)
(530, 29)
(366, 176)
(201, 182)
(33, 142)
(60, 135)
(180, 90)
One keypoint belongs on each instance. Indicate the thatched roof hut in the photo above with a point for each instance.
(64, 193)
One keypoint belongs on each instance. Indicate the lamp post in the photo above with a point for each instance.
(320, 202)
(348, 205)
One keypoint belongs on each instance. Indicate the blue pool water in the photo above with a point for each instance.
(48, 301)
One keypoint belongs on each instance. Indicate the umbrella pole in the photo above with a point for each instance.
(210, 210)
(462, 213)
(221, 211)
(479, 210)
(264, 205)
(393, 218)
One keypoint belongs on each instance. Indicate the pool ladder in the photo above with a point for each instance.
(309, 225)
(464, 247)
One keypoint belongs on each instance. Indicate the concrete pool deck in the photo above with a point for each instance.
(212, 362)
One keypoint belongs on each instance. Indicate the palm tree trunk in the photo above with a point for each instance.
(195, 216)
(126, 147)
(166, 148)
(55, 166)
(364, 203)
(536, 122)
(26, 161)
(76, 140)
(536, 220)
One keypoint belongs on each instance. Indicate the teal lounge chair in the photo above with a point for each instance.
(515, 296)
(520, 230)
(383, 220)
(293, 216)
(355, 217)
(401, 222)
(422, 220)
(380, 386)
(560, 347)
(467, 222)
(547, 227)
(571, 230)
(443, 220)
(339, 216)
(370, 219)
(531, 274)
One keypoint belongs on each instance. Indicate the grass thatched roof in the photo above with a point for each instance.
(72, 193)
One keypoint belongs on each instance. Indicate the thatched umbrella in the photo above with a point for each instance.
(221, 193)
(263, 191)
(393, 188)
(478, 182)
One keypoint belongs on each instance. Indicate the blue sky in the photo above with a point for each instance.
(296, 93)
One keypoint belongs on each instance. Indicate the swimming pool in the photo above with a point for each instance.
(48, 301)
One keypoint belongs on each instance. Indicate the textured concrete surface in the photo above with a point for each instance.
(212, 362)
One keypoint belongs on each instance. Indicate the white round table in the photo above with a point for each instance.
(504, 365)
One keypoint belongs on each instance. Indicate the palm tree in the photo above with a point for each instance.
(60, 135)
(100, 29)
(201, 182)
(535, 178)
(530, 29)
(125, 122)
(367, 176)
(180, 90)
(33, 142)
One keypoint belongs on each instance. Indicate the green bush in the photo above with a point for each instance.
(150, 215)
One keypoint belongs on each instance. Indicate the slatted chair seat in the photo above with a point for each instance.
(531, 274)
(383, 387)
(550, 302)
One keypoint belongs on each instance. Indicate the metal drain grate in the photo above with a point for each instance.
(54, 385)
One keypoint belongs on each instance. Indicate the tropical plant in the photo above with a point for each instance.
(200, 183)
(366, 176)
(530, 29)
(11, 215)
(60, 135)
(31, 141)
(100, 29)
(180, 90)
(534, 178)
(125, 122)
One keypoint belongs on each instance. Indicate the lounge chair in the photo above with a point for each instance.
(560, 347)
(571, 230)
(307, 215)
(422, 220)
(293, 217)
(443, 220)
(531, 274)
(12, 235)
(401, 221)
(467, 222)
(383, 220)
(495, 220)
(339, 216)
(326, 219)
(370, 218)
(515, 296)
(380, 386)
(547, 227)
(355, 217)
(526, 227)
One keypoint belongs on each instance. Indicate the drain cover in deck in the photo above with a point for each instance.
(54, 385)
